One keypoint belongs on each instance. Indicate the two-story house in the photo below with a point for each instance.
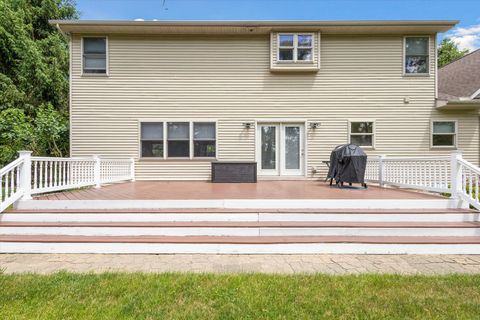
(177, 95)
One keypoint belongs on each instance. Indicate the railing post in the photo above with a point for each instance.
(380, 170)
(132, 169)
(26, 174)
(96, 171)
(455, 174)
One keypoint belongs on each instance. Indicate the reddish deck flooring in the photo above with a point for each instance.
(183, 190)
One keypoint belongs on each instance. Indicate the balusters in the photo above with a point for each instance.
(7, 193)
(12, 181)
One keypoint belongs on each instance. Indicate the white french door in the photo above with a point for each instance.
(280, 149)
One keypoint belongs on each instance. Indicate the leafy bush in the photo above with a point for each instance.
(34, 66)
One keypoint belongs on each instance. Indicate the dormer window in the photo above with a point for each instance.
(295, 47)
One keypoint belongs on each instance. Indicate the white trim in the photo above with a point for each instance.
(427, 74)
(243, 204)
(107, 59)
(475, 94)
(373, 134)
(233, 231)
(260, 216)
(224, 248)
(455, 134)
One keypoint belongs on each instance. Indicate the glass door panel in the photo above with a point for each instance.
(292, 150)
(269, 148)
(292, 147)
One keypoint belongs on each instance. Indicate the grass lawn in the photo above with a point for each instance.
(240, 296)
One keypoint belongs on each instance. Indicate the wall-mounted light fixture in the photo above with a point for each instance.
(314, 125)
(248, 125)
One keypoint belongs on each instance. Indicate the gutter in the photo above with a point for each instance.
(267, 23)
(66, 35)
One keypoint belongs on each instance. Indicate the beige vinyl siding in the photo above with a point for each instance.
(228, 79)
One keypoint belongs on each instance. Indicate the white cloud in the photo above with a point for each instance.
(467, 37)
(139, 19)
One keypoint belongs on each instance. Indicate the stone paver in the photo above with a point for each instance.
(288, 264)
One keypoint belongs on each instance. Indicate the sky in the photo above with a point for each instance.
(466, 34)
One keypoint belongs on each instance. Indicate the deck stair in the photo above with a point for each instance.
(248, 231)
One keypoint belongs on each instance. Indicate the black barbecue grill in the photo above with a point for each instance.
(347, 165)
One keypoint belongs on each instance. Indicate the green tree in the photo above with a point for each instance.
(448, 51)
(34, 65)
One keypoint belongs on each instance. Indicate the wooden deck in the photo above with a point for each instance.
(197, 190)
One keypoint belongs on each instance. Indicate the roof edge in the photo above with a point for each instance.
(450, 23)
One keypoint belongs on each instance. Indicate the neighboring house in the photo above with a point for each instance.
(176, 95)
(459, 81)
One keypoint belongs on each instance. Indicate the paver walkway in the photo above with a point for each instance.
(330, 264)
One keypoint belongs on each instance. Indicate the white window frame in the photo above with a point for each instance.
(141, 140)
(165, 139)
(455, 134)
(373, 134)
(189, 139)
(107, 54)
(427, 74)
(295, 47)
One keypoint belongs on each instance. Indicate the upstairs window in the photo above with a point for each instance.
(444, 133)
(95, 55)
(361, 133)
(295, 47)
(417, 55)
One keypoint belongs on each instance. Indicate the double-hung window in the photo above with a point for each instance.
(95, 55)
(444, 133)
(204, 139)
(183, 139)
(362, 133)
(295, 47)
(417, 55)
(152, 139)
(178, 137)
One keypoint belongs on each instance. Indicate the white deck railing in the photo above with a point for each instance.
(10, 183)
(33, 175)
(445, 174)
(469, 176)
(425, 173)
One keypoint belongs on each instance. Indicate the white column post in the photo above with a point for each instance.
(96, 171)
(26, 174)
(380, 170)
(132, 169)
(455, 174)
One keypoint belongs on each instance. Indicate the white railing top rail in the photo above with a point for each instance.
(469, 165)
(62, 159)
(10, 166)
(409, 158)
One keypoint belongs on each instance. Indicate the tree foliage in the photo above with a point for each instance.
(448, 51)
(34, 64)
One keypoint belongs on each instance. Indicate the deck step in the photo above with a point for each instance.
(240, 240)
(170, 215)
(245, 229)
(249, 231)
(240, 245)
